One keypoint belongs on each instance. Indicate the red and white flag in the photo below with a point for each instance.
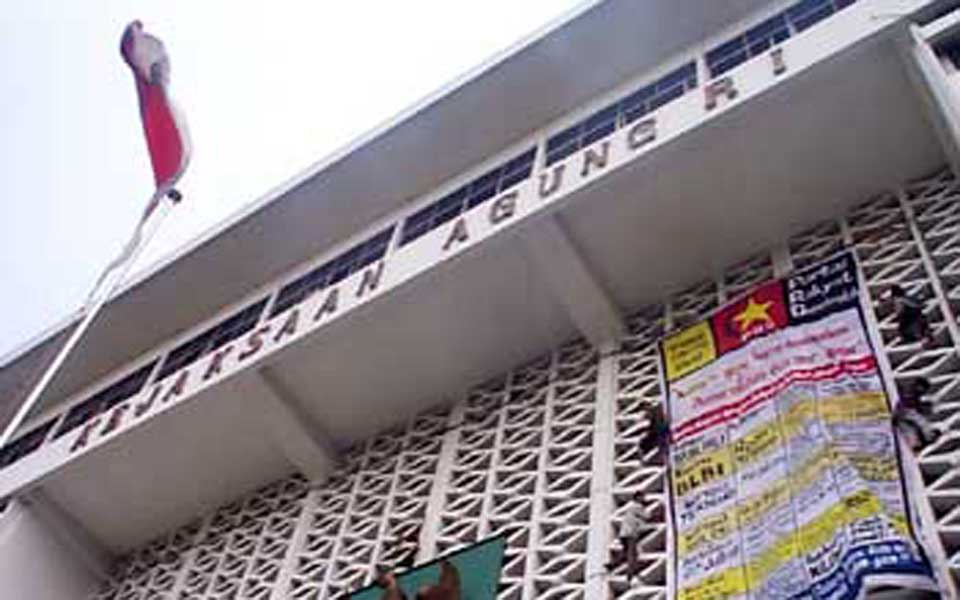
(167, 139)
(165, 129)
(169, 147)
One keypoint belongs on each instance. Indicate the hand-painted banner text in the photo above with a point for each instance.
(783, 465)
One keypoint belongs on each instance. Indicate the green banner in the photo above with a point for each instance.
(478, 568)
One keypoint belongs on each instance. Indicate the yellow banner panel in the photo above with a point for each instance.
(687, 351)
(875, 468)
(866, 406)
(756, 444)
(711, 529)
(702, 471)
(726, 584)
(770, 559)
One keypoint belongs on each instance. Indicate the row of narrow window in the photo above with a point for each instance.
(99, 403)
(25, 444)
(103, 401)
(478, 191)
(771, 32)
(333, 271)
(753, 41)
(199, 346)
(212, 339)
(622, 112)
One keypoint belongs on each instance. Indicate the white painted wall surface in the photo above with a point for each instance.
(34, 564)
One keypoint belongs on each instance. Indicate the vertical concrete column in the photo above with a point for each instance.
(40, 560)
(936, 92)
(338, 545)
(931, 269)
(540, 491)
(484, 528)
(433, 519)
(601, 487)
(179, 586)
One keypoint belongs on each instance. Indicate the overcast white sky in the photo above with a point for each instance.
(268, 88)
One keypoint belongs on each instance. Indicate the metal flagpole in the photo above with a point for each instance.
(112, 276)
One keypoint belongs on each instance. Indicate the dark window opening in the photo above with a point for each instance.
(25, 444)
(951, 50)
(626, 110)
(332, 271)
(806, 13)
(775, 30)
(483, 188)
(105, 399)
(210, 340)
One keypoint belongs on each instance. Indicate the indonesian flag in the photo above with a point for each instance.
(167, 139)
(166, 133)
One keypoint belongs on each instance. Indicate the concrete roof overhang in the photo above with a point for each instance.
(539, 79)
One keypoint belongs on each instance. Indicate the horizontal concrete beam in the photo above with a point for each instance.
(575, 285)
(305, 442)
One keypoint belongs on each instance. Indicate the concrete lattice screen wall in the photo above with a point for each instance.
(548, 455)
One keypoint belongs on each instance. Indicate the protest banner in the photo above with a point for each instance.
(785, 478)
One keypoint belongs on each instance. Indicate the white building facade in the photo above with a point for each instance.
(474, 356)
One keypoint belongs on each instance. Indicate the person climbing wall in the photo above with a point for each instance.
(912, 415)
(657, 434)
(636, 522)
(912, 323)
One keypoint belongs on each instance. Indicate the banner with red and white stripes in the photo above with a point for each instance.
(785, 479)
